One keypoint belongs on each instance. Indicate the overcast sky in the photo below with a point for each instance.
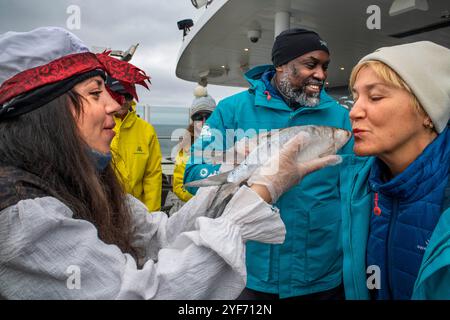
(117, 24)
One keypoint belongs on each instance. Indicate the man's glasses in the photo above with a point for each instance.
(201, 116)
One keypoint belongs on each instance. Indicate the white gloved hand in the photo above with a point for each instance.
(281, 172)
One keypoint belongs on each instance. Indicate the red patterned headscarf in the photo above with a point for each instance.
(58, 70)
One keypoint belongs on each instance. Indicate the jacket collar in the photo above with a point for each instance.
(129, 119)
(420, 177)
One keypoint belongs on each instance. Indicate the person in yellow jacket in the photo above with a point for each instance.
(178, 174)
(137, 155)
(202, 107)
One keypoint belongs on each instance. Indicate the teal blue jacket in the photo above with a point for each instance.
(433, 281)
(310, 260)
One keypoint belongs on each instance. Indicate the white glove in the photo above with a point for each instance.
(281, 172)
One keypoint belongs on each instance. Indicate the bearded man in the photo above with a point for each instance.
(288, 93)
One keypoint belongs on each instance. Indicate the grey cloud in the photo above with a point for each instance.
(118, 24)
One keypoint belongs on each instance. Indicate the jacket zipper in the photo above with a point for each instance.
(389, 247)
(376, 208)
(358, 295)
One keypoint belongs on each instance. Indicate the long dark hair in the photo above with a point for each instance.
(46, 142)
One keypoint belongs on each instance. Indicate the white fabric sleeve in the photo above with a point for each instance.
(46, 254)
(154, 231)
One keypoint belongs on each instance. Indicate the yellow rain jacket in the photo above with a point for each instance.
(178, 174)
(137, 157)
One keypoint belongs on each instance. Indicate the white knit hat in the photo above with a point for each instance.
(425, 67)
(202, 102)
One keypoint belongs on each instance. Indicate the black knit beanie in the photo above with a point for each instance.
(294, 43)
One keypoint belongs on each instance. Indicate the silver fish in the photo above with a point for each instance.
(324, 141)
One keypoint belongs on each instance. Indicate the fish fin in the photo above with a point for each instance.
(216, 180)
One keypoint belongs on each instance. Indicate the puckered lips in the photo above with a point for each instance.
(358, 133)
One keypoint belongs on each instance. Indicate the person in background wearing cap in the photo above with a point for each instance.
(136, 153)
(67, 228)
(202, 107)
(288, 93)
(396, 217)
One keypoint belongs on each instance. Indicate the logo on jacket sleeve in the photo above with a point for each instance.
(206, 132)
(139, 150)
(204, 173)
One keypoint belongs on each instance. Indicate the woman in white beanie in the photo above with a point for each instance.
(202, 107)
(396, 219)
(67, 229)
